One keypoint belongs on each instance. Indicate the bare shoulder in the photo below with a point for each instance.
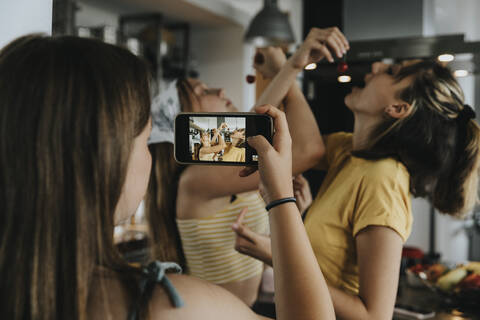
(203, 300)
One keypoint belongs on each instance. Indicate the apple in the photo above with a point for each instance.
(471, 281)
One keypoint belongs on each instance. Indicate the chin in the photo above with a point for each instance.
(348, 101)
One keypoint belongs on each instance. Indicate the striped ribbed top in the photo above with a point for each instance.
(208, 243)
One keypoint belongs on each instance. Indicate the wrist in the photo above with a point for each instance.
(279, 202)
(294, 67)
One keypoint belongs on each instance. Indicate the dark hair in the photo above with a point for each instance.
(161, 197)
(70, 109)
(438, 146)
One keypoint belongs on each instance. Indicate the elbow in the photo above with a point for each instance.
(307, 156)
(314, 153)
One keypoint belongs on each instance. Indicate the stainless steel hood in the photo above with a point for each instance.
(412, 47)
(363, 53)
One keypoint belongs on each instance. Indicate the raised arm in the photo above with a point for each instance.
(217, 148)
(307, 147)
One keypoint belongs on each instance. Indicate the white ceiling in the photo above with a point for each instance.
(196, 12)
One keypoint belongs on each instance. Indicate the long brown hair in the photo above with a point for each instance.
(438, 144)
(70, 109)
(160, 201)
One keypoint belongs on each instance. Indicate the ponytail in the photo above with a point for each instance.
(455, 192)
(438, 142)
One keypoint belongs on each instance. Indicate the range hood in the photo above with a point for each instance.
(412, 47)
(363, 53)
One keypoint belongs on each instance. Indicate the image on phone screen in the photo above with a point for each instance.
(218, 138)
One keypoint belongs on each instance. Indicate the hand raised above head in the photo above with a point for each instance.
(268, 61)
(319, 44)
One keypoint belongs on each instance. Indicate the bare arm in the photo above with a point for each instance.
(379, 252)
(300, 289)
(308, 147)
(219, 147)
(289, 242)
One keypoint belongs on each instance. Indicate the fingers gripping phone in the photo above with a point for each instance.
(219, 138)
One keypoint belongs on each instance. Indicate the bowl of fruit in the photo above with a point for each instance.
(459, 285)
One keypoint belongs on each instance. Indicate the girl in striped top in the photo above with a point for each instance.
(190, 208)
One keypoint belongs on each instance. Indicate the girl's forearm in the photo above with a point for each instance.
(300, 289)
(307, 143)
(279, 86)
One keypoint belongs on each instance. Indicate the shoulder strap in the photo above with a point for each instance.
(152, 274)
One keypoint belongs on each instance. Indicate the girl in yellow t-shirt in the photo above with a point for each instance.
(233, 152)
(413, 135)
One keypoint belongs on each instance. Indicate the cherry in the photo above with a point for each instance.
(250, 78)
(342, 66)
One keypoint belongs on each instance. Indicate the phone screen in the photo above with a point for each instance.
(207, 138)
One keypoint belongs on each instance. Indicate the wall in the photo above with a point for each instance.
(21, 17)
(220, 57)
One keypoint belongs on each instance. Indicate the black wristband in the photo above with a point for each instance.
(278, 202)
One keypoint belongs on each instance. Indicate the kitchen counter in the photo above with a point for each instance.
(426, 299)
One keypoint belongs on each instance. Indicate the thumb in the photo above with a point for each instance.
(260, 144)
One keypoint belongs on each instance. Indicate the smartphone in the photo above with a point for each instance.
(219, 138)
(413, 312)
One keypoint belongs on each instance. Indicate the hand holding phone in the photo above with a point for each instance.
(219, 138)
(275, 161)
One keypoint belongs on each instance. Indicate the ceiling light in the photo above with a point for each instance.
(269, 27)
(446, 57)
(344, 79)
(311, 66)
(460, 73)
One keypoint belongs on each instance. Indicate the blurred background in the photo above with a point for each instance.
(207, 39)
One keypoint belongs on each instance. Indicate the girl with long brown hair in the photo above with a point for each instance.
(74, 161)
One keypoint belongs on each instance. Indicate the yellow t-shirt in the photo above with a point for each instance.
(356, 193)
(234, 154)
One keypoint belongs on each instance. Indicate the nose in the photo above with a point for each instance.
(377, 67)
